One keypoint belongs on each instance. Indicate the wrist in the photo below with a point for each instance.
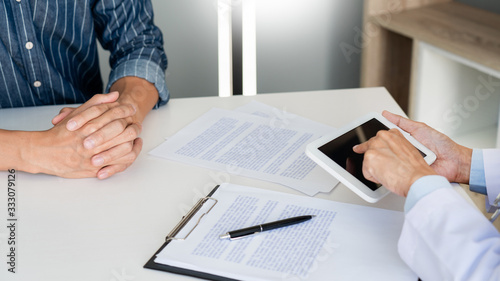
(31, 152)
(419, 174)
(465, 159)
(138, 92)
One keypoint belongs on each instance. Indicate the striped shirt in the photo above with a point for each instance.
(48, 49)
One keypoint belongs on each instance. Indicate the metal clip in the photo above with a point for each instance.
(188, 217)
(496, 214)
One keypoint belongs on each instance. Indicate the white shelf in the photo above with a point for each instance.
(483, 138)
(456, 96)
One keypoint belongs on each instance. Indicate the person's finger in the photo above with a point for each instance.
(111, 170)
(369, 177)
(376, 141)
(99, 99)
(62, 114)
(361, 148)
(90, 110)
(105, 134)
(100, 116)
(115, 133)
(103, 98)
(395, 132)
(112, 155)
(373, 142)
(367, 167)
(394, 118)
(122, 163)
(406, 124)
(114, 152)
(396, 141)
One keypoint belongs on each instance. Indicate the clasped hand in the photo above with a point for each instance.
(97, 139)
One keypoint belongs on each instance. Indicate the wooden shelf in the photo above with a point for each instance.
(392, 28)
(468, 32)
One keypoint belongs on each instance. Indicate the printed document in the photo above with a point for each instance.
(255, 140)
(343, 241)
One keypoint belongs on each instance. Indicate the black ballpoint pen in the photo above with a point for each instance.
(244, 232)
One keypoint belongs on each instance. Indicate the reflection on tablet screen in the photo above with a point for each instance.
(340, 149)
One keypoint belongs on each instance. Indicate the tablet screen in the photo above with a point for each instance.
(340, 149)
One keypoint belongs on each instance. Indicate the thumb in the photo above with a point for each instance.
(62, 114)
(98, 99)
(103, 98)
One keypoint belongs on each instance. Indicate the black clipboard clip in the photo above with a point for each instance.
(185, 219)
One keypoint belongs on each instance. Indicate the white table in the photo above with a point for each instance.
(88, 229)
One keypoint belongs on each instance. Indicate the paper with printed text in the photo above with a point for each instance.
(343, 241)
(257, 141)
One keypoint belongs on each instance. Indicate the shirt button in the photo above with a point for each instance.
(37, 84)
(18, 0)
(29, 45)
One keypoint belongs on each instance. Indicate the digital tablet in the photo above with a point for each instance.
(333, 152)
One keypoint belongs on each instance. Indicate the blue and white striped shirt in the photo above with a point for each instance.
(48, 49)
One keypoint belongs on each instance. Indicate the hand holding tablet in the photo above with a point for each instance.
(334, 153)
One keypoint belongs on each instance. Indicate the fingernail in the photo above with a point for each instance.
(89, 143)
(354, 147)
(98, 161)
(102, 175)
(71, 125)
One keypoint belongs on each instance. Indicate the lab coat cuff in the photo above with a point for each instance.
(422, 187)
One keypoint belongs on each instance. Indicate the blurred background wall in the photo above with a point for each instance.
(300, 44)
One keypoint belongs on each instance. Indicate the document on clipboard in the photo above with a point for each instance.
(342, 241)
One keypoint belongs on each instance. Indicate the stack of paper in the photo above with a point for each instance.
(255, 140)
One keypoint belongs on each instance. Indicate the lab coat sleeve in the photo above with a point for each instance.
(446, 238)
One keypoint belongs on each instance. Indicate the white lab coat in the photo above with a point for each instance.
(445, 238)
(491, 159)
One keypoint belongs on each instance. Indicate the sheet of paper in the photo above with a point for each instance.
(281, 116)
(343, 241)
(267, 148)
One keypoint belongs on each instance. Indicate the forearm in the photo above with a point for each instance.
(55, 152)
(15, 150)
(142, 94)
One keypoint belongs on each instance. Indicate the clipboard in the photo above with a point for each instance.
(151, 264)
(376, 229)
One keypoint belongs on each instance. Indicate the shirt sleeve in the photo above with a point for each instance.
(477, 180)
(126, 29)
